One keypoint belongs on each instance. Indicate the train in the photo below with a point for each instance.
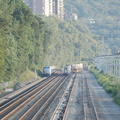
(77, 67)
(49, 70)
(72, 69)
(66, 70)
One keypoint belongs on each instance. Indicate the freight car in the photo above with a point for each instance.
(77, 67)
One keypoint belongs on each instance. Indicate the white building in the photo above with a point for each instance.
(58, 8)
(109, 64)
(50, 7)
(72, 16)
(46, 7)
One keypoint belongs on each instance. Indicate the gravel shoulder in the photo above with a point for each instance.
(105, 107)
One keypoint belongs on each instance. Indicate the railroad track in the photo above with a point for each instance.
(36, 111)
(19, 92)
(61, 109)
(11, 98)
(89, 109)
(9, 108)
(70, 97)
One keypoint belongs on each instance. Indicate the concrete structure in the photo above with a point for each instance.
(50, 7)
(72, 16)
(58, 8)
(75, 17)
(46, 7)
(109, 64)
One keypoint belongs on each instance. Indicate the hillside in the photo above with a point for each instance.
(106, 15)
(29, 42)
(20, 41)
(68, 42)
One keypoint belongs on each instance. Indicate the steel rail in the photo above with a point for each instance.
(23, 97)
(83, 93)
(17, 91)
(24, 103)
(92, 101)
(86, 91)
(26, 115)
(53, 116)
(47, 102)
(66, 110)
(29, 91)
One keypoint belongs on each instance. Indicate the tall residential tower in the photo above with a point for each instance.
(46, 7)
(58, 8)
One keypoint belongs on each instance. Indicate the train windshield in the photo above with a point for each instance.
(46, 67)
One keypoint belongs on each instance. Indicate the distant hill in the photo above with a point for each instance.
(106, 14)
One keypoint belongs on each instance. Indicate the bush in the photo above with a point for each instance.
(117, 99)
(27, 75)
(110, 84)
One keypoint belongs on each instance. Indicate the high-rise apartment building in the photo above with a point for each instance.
(61, 9)
(50, 7)
(46, 7)
(58, 8)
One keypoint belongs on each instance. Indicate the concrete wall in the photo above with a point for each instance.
(109, 64)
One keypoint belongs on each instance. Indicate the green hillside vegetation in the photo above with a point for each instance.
(20, 44)
(106, 14)
(69, 42)
(29, 42)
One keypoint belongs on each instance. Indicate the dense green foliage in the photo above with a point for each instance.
(106, 14)
(19, 39)
(67, 42)
(110, 84)
(30, 42)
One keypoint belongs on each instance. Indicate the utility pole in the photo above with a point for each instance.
(71, 10)
(103, 47)
(103, 51)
